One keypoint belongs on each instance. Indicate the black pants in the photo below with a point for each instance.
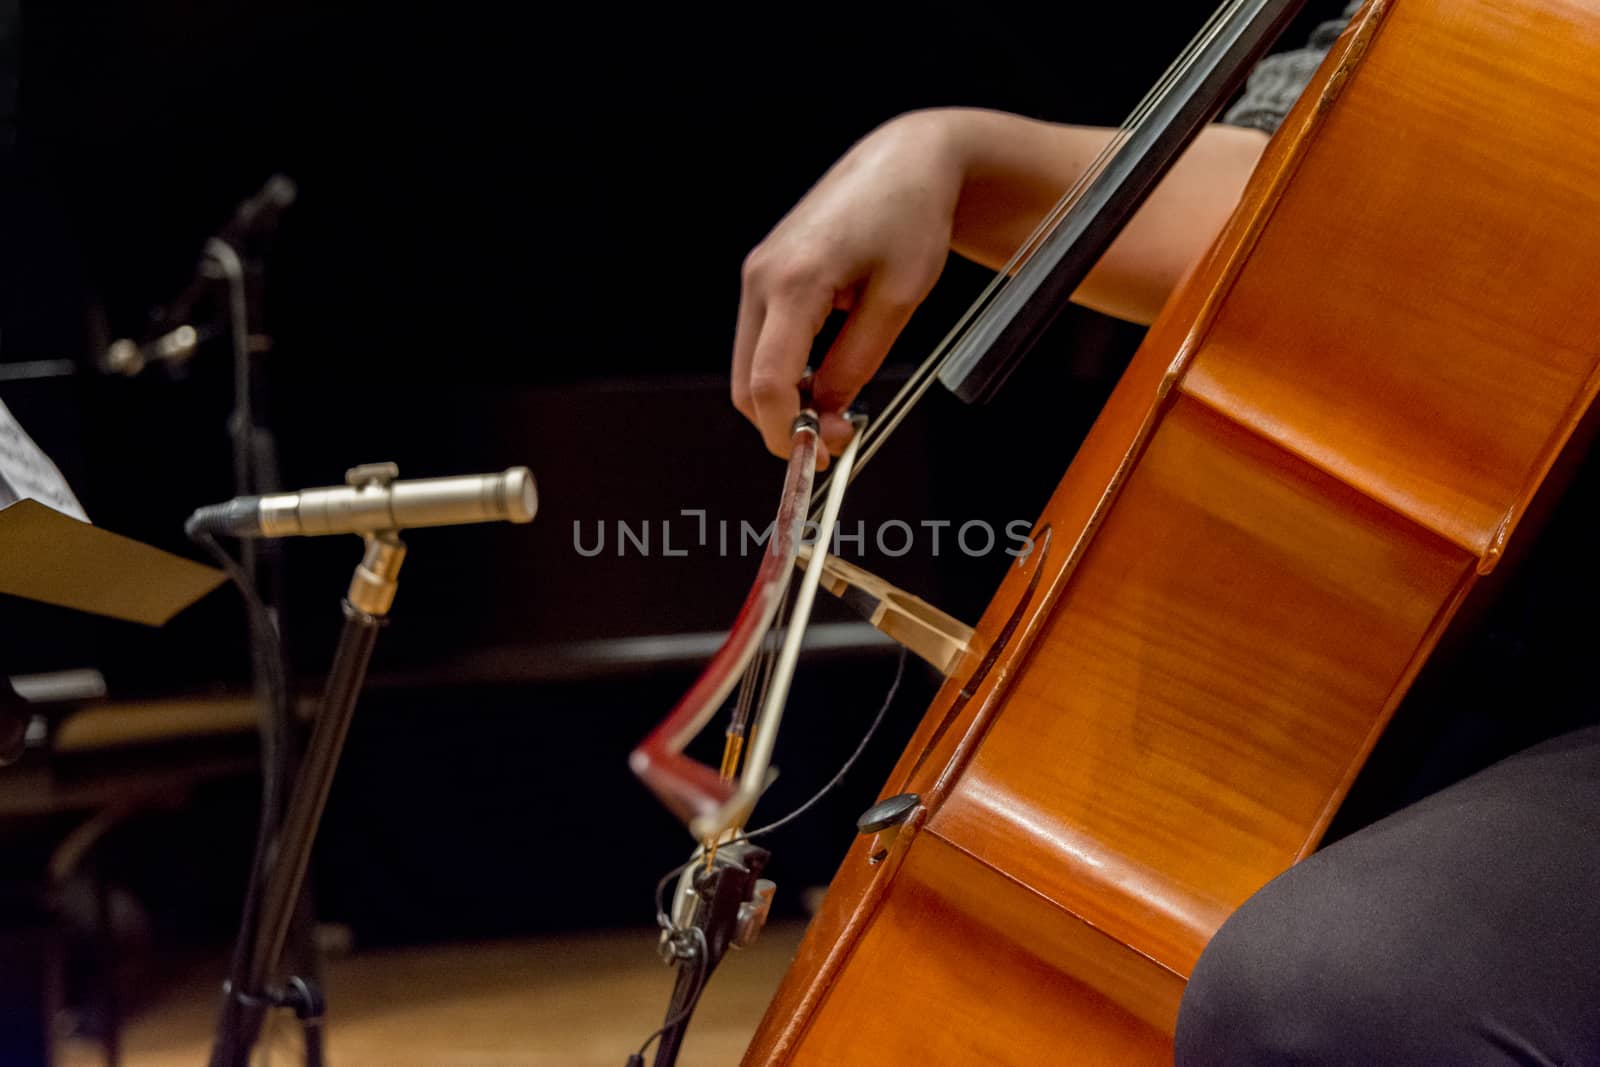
(1462, 930)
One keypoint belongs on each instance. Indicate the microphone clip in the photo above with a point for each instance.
(376, 578)
(373, 475)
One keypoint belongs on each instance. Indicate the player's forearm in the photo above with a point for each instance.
(1015, 169)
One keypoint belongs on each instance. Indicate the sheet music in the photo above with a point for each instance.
(26, 472)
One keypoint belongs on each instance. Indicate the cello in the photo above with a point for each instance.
(1320, 453)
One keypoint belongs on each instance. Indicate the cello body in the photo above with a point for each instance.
(1325, 443)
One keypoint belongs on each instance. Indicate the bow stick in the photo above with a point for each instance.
(713, 802)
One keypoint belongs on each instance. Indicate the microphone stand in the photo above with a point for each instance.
(228, 288)
(250, 991)
(726, 905)
(255, 471)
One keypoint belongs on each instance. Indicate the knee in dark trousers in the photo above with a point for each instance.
(1464, 930)
(1281, 983)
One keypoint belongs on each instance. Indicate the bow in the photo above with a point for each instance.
(713, 802)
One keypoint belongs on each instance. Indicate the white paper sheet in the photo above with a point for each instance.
(27, 473)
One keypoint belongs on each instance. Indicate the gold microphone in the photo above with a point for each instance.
(372, 500)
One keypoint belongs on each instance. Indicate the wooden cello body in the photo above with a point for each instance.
(1322, 446)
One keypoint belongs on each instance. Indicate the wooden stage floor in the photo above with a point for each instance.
(572, 1001)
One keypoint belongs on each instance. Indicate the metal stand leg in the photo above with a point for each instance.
(249, 995)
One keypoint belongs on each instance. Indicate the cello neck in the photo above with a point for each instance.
(1091, 215)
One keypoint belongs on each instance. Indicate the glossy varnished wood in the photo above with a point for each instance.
(1325, 441)
(1227, 638)
(983, 995)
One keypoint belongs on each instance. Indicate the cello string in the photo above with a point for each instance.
(753, 687)
(750, 686)
(924, 375)
(733, 744)
(769, 651)
(733, 736)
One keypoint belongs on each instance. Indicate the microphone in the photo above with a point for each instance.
(128, 357)
(374, 500)
(255, 217)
